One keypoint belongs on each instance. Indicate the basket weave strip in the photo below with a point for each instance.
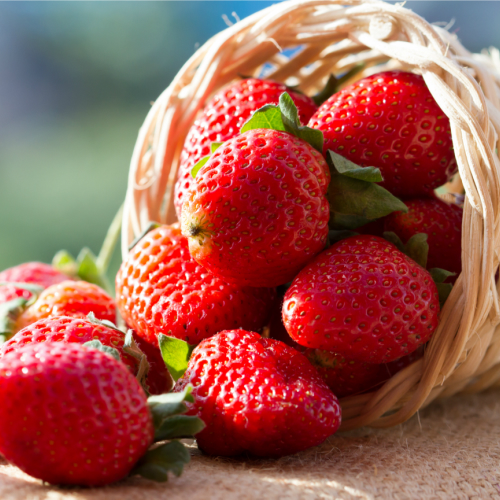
(332, 37)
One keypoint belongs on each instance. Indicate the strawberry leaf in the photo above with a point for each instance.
(88, 270)
(395, 240)
(63, 261)
(285, 118)
(355, 199)
(103, 322)
(444, 289)
(131, 348)
(198, 166)
(215, 146)
(165, 406)
(175, 354)
(417, 249)
(159, 461)
(9, 312)
(439, 275)
(110, 351)
(179, 427)
(152, 225)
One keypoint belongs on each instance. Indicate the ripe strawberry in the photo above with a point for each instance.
(80, 331)
(70, 298)
(257, 395)
(223, 118)
(71, 415)
(257, 212)
(441, 221)
(161, 289)
(391, 121)
(33, 272)
(364, 299)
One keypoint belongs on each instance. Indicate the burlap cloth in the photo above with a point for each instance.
(450, 450)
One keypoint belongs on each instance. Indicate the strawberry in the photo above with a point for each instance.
(391, 120)
(71, 415)
(257, 212)
(161, 289)
(37, 273)
(222, 119)
(70, 298)
(441, 221)
(257, 395)
(80, 331)
(364, 299)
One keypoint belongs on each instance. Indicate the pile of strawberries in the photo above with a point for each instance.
(311, 262)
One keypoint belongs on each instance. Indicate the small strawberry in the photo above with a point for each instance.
(364, 299)
(71, 415)
(257, 212)
(160, 288)
(441, 221)
(391, 120)
(70, 298)
(222, 119)
(257, 395)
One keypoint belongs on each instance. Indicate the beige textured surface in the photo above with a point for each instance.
(451, 450)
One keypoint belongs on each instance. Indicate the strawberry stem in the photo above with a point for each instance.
(109, 244)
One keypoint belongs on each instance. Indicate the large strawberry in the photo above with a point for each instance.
(364, 299)
(160, 288)
(80, 331)
(257, 395)
(71, 415)
(391, 120)
(70, 298)
(258, 212)
(441, 221)
(222, 119)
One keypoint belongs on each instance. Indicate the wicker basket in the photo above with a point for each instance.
(333, 36)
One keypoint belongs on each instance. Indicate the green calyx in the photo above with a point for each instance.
(130, 347)
(354, 197)
(417, 249)
(213, 148)
(152, 225)
(334, 84)
(11, 310)
(284, 117)
(175, 353)
(167, 411)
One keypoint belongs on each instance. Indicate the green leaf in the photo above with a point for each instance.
(284, 118)
(157, 462)
(175, 354)
(103, 322)
(198, 166)
(267, 117)
(440, 275)
(131, 348)
(344, 166)
(164, 406)
(354, 198)
(395, 240)
(334, 236)
(334, 84)
(9, 312)
(417, 249)
(63, 261)
(179, 426)
(111, 351)
(152, 225)
(89, 271)
(215, 146)
(444, 290)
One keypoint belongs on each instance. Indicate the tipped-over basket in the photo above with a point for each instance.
(332, 36)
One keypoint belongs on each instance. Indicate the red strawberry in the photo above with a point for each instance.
(70, 298)
(441, 221)
(33, 272)
(80, 331)
(161, 289)
(223, 118)
(257, 212)
(362, 298)
(71, 415)
(391, 121)
(257, 395)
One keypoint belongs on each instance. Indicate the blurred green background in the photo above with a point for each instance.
(76, 83)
